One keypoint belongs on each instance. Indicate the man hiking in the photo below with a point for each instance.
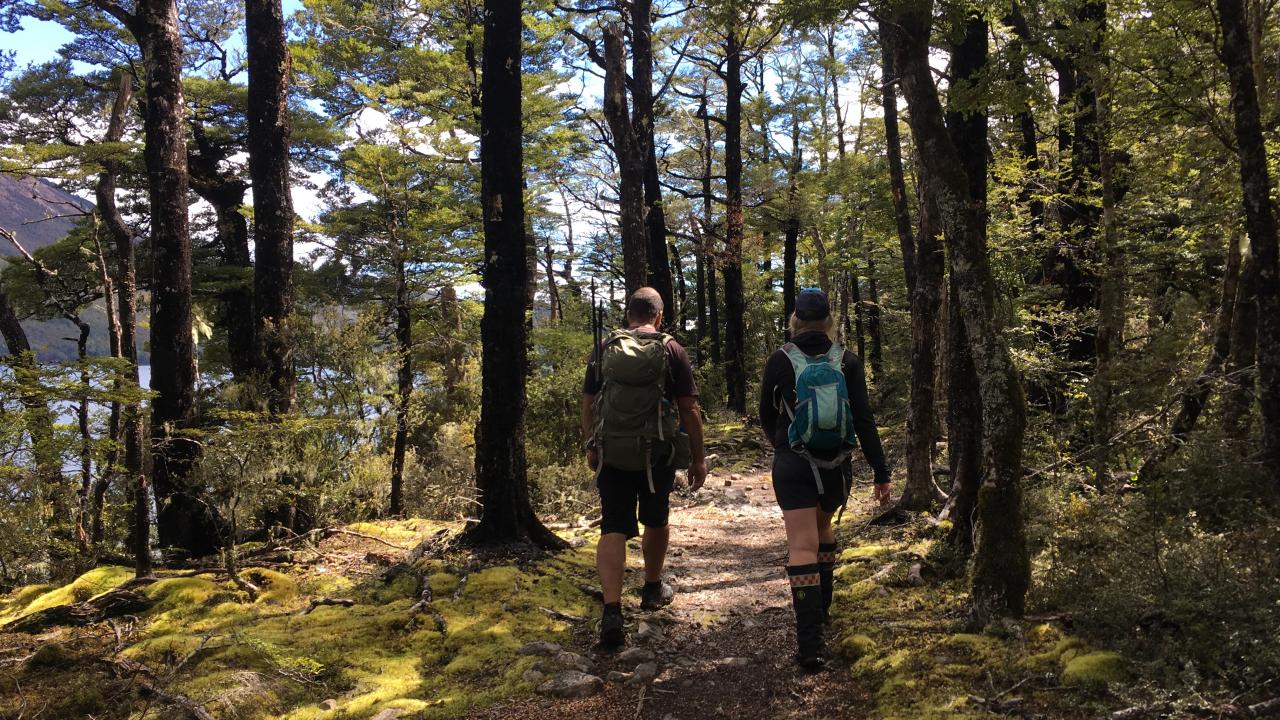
(814, 410)
(641, 422)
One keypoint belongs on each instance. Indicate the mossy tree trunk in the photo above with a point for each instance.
(1001, 572)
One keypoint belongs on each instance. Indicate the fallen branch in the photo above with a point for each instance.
(144, 678)
(323, 601)
(111, 604)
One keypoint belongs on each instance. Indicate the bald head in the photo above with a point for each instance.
(644, 307)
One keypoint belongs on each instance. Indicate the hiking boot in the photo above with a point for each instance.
(612, 634)
(806, 597)
(827, 571)
(655, 595)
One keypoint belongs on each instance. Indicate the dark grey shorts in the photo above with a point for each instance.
(796, 489)
(626, 503)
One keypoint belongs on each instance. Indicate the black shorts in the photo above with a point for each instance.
(625, 498)
(795, 487)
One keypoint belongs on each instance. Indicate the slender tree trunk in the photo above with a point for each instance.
(1241, 371)
(1260, 220)
(126, 284)
(1001, 572)
(791, 234)
(700, 295)
(859, 325)
(681, 296)
(404, 384)
(658, 264)
(1196, 395)
(734, 302)
(631, 162)
(268, 118)
(553, 293)
(184, 520)
(897, 181)
(112, 463)
(86, 436)
(920, 491)
(506, 513)
(709, 249)
(1111, 296)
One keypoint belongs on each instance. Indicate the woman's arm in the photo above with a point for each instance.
(768, 391)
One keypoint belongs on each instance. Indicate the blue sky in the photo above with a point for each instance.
(39, 41)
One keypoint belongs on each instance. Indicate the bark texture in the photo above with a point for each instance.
(734, 304)
(268, 115)
(506, 514)
(631, 163)
(1260, 219)
(1001, 573)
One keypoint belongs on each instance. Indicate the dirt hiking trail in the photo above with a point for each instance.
(724, 647)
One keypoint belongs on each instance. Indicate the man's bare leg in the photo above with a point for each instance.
(611, 563)
(654, 545)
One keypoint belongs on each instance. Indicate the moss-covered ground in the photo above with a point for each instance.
(268, 658)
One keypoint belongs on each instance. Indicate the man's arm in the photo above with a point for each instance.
(691, 418)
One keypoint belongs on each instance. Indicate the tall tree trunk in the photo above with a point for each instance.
(642, 119)
(734, 302)
(920, 491)
(1196, 395)
(924, 264)
(700, 295)
(859, 325)
(1260, 220)
(791, 233)
(1111, 295)
(126, 284)
(404, 382)
(631, 163)
(709, 247)
(681, 293)
(86, 436)
(111, 464)
(506, 513)
(184, 520)
(553, 292)
(1001, 572)
(268, 118)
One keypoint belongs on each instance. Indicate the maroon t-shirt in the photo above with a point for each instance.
(679, 383)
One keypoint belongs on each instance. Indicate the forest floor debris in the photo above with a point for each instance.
(334, 636)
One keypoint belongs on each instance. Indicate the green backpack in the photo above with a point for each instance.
(635, 426)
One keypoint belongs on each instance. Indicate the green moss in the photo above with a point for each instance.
(864, 552)
(854, 647)
(1094, 669)
(50, 655)
(89, 585)
(277, 588)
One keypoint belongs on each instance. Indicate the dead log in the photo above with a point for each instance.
(112, 604)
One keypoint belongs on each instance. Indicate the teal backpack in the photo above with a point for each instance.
(823, 417)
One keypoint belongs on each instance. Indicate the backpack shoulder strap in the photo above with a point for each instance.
(835, 356)
(799, 361)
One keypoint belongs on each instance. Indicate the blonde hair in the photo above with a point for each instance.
(826, 326)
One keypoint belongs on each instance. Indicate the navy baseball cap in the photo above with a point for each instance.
(811, 304)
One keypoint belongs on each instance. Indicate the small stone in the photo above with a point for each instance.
(616, 676)
(574, 661)
(677, 552)
(649, 631)
(643, 674)
(635, 655)
(541, 648)
(329, 704)
(686, 662)
(387, 714)
(880, 591)
(736, 662)
(736, 496)
(736, 477)
(571, 684)
(578, 542)
(533, 676)
(728, 483)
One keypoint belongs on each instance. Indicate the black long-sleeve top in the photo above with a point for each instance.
(779, 384)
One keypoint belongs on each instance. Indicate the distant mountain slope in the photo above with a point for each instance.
(40, 214)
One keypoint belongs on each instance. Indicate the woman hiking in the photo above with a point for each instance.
(812, 442)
